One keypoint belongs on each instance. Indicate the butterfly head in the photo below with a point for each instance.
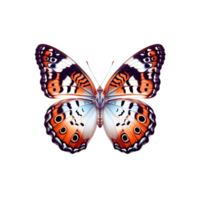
(99, 89)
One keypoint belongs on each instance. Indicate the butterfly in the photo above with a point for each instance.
(72, 122)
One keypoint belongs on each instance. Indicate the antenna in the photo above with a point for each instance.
(92, 74)
(106, 75)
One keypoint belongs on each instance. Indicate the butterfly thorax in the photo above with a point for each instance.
(100, 100)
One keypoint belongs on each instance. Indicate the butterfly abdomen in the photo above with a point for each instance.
(100, 119)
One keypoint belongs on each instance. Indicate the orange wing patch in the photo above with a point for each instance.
(116, 81)
(131, 134)
(66, 130)
(53, 86)
(46, 59)
(154, 59)
(81, 80)
(146, 86)
(77, 140)
(123, 140)
(134, 131)
(47, 53)
(142, 87)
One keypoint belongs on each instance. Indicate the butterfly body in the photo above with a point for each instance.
(128, 122)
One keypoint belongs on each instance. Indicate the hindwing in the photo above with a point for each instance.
(71, 123)
(128, 123)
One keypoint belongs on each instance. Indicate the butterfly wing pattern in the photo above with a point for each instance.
(60, 75)
(67, 120)
(128, 122)
(71, 123)
(139, 75)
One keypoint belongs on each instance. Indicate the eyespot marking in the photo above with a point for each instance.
(75, 137)
(58, 119)
(125, 138)
(137, 130)
(142, 119)
(63, 130)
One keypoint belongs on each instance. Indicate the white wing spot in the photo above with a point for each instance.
(53, 59)
(146, 60)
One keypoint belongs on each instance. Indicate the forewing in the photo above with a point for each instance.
(61, 76)
(139, 76)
